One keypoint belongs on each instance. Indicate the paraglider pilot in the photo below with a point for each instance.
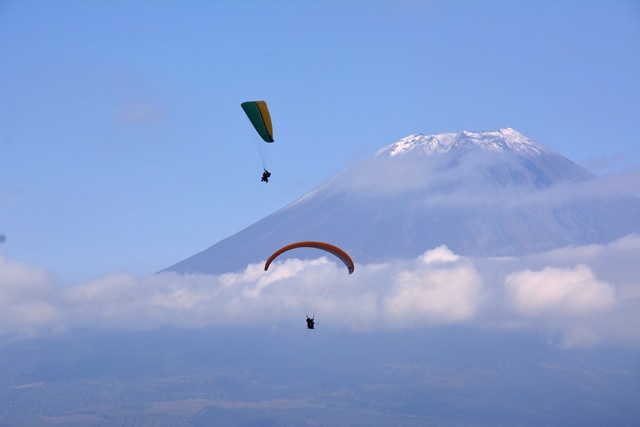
(265, 176)
(309, 322)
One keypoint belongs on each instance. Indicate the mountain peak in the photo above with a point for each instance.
(479, 193)
(506, 139)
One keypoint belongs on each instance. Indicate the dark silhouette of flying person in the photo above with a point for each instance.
(265, 176)
(310, 323)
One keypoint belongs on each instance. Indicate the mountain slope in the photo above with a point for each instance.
(480, 193)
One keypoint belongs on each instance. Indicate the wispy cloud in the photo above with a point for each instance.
(602, 162)
(444, 181)
(139, 112)
(578, 296)
(623, 183)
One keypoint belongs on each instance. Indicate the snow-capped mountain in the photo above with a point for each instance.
(498, 141)
(480, 193)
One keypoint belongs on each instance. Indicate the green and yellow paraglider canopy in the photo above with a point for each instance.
(258, 113)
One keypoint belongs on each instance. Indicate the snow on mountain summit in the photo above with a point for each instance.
(506, 139)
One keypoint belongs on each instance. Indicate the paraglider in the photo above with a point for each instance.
(303, 295)
(342, 255)
(310, 323)
(258, 114)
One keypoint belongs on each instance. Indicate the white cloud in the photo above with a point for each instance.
(438, 287)
(576, 296)
(441, 287)
(28, 301)
(560, 292)
(440, 255)
(572, 315)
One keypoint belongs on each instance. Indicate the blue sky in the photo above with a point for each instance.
(123, 146)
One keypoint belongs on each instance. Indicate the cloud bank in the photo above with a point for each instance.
(578, 296)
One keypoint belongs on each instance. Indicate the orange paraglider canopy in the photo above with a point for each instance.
(342, 255)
